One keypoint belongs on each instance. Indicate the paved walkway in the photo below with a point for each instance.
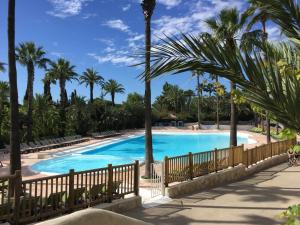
(256, 200)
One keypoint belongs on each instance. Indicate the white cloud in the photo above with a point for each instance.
(109, 49)
(126, 7)
(117, 24)
(274, 33)
(137, 37)
(117, 58)
(105, 41)
(169, 3)
(193, 20)
(66, 8)
(89, 15)
(57, 54)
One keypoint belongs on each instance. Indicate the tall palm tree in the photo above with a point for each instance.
(63, 71)
(91, 77)
(113, 87)
(259, 14)
(47, 81)
(15, 154)
(189, 94)
(225, 28)
(29, 55)
(148, 7)
(262, 82)
(199, 93)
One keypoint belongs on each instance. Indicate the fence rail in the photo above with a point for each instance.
(41, 198)
(187, 167)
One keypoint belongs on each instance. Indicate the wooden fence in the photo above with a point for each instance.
(41, 198)
(187, 167)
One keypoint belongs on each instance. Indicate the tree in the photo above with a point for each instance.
(15, 154)
(47, 81)
(29, 55)
(189, 94)
(148, 7)
(225, 29)
(113, 87)
(62, 71)
(45, 117)
(91, 77)
(260, 15)
(4, 99)
(199, 93)
(273, 85)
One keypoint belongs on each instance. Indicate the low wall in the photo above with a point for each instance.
(93, 217)
(222, 177)
(121, 205)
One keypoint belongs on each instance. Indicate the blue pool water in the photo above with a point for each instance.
(128, 150)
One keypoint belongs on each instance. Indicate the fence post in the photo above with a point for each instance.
(271, 146)
(232, 156)
(17, 194)
(191, 166)
(110, 183)
(216, 160)
(163, 176)
(71, 189)
(136, 177)
(166, 164)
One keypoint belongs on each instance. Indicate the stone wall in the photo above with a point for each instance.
(121, 205)
(93, 217)
(222, 177)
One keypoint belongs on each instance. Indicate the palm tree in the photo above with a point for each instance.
(15, 154)
(91, 77)
(113, 87)
(225, 29)
(148, 7)
(262, 81)
(30, 56)
(62, 71)
(259, 14)
(189, 94)
(196, 73)
(47, 81)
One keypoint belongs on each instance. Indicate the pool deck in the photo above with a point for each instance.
(256, 200)
(31, 158)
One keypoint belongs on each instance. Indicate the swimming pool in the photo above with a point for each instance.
(133, 148)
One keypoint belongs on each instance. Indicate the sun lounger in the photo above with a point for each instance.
(106, 134)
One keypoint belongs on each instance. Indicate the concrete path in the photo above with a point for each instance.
(256, 200)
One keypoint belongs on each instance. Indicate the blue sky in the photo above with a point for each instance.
(105, 34)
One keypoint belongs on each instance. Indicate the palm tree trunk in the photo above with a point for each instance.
(217, 109)
(233, 118)
(113, 99)
(268, 127)
(15, 156)
(62, 84)
(91, 93)
(148, 120)
(265, 37)
(30, 70)
(47, 90)
(199, 102)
